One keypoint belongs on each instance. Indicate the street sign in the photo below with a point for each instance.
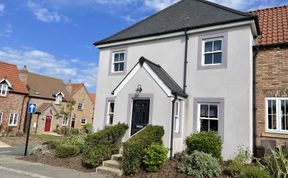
(32, 108)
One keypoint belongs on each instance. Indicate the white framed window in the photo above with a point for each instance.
(208, 116)
(177, 116)
(3, 89)
(80, 106)
(212, 51)
(1, 117)
(118, 61)
(110, 112)
(13, 119)
(65, 121)
(59, 99)
(83, 121)
(277, 115)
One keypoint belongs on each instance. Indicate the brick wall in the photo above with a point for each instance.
(271, 81)
(13, 103)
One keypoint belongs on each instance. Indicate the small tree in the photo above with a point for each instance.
(67, 112)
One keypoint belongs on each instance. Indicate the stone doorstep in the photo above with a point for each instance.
(112, 164)
(109, 170)
(117, 157)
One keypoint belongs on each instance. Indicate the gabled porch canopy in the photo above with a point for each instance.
(158, 74)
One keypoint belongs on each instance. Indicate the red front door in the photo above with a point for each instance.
(48, 123)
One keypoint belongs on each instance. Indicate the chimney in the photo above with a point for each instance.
(69, 86)
(24, 74)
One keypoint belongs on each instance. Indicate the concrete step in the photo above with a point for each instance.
(121, 150)
(108, 170)
(117, 157)
(112, 164)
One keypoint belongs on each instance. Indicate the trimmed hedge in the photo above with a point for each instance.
(65, 151)
(101, 145)
(207, 142)
(133, 149)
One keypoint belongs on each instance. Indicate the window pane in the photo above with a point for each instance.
(208, 59)
(213, 125)
(176, 110)
(111, 108)
(121, 67)
(116, 57)
(218, 45)
(284, 122)
(213, 111)
(204, 110)
(217, 58)
(208, 46)
(121, 57)
(204, 125)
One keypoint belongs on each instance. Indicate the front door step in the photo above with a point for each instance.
(112, 166)
(109, 170)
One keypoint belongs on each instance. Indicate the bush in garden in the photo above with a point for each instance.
(254, 172)
(133, 149)
(88, 128)
(76, 140)
(65, 151)
(200, 165)
(99, 146)
(39, 150)
(155, 157)
(75, 131)
(242, 158)
(51, 144)
(207, 142)
(275, 163)
(64, 130)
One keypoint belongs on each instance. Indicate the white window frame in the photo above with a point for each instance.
(118, 62)
(204, 118)
(59, 99)
(14, 119)
(82, 106)
(66, 123)
(1, 117)
(278, 115)
(177, 116)
(84, 122)
(212, 52)
(110, 113)
(3, 87)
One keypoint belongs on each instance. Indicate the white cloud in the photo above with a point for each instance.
(6, 31)
(2, 8)
(237, 4)
(45, 63)
(159, 4)
(45, 15)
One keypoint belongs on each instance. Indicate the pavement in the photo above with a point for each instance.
(10, 166)
(4, 145)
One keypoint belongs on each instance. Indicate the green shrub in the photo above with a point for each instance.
(76, 140)
(254, 172)
(39, 150)
(275, 163)
(75, 131)
(101, 145)
(200, 165)
(64, 130)
(51, 144)
(242, 158)
(155, 157)
(65, 151)
(133, 149)
(207, 142)
(88, 128)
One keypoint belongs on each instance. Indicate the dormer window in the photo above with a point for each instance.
(4, 86)
(59, 97)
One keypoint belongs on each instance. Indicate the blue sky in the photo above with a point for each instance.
(55, 37)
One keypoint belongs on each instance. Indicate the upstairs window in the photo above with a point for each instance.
(80, 106)
(3, 89)
(118, 61)
(13, 119)
(212, 51)
(59, 97)
(110, 113)
(277, 114)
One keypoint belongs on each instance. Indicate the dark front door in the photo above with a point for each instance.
(73, 122)
(140, 115)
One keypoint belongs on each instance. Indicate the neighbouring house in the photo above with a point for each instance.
(49, 94)
(93, 98)
(13, 99)
(188, 68)
(83, 110)
(271, 77)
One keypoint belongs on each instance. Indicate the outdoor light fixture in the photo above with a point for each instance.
(139, 89)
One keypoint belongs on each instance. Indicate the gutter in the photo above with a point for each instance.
(185, 62)
(255, 53)
(172, 127)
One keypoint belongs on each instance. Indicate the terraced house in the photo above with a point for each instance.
(13, 99)
(188, 68)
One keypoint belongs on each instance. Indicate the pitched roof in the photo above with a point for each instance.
(186, 14)
(166, 79)
(76, 86)
(92, 97)
(44, 106)
(273, 25)
(46, 87)
(11, 73)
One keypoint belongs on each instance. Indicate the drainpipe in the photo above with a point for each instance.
(172, 126)
(255, 53)
(185, 61)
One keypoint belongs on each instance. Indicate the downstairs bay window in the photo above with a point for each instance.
(277, 115)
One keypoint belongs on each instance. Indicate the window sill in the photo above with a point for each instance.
(12, 125)
(275, 135)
